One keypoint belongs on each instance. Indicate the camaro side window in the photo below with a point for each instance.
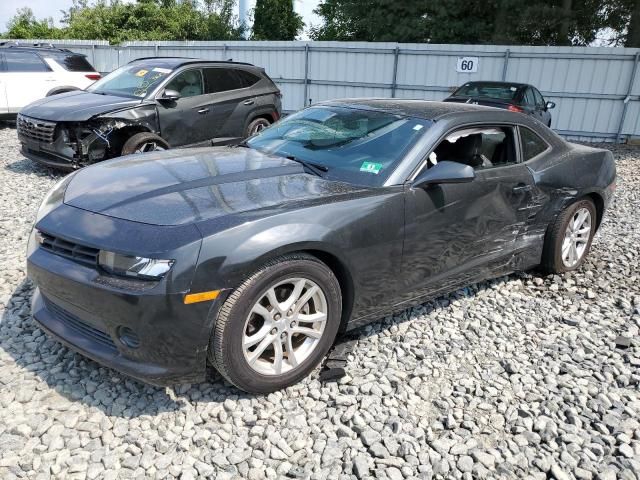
(188, 84)
(482, 147)
(532, 144)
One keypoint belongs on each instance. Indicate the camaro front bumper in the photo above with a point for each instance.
(139, 328)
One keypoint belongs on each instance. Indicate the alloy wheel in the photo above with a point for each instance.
(258, 127)
(576, 237)
(149, 147)
(284, 326)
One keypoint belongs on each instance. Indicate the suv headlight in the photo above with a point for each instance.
(54, 197)
(137, 267)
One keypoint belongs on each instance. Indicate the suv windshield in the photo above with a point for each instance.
(132, 80)
(353, 145)
(488, 90)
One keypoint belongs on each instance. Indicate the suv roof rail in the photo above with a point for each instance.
(34, 45)
(188, 60)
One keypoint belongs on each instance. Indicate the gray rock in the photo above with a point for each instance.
(361, 466)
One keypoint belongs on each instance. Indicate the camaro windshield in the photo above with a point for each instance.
(487, 90)
(353, 145)
(131, 80)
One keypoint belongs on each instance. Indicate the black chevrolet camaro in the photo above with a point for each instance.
(254, 258)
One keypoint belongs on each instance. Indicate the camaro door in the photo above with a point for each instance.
(459, 232)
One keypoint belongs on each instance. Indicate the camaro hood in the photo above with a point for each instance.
(178, 187)
(76, 106)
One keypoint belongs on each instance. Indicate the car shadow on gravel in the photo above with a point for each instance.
(74, 378)
(24, 165)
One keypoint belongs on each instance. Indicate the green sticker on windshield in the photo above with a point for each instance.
(371, 167)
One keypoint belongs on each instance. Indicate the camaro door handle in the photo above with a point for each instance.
(203, 110)
(522, 188)
(248, 102)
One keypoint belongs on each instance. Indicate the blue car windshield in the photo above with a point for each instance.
(353, 145)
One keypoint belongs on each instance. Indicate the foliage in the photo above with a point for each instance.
(118, 21)
(528, 22)
(372, 20)
(25, 25)
(276, 20)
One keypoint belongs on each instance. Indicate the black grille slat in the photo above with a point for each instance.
(35, 129)
(79, 326)
(70, 250)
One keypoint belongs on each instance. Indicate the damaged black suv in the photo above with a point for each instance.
(150, 104)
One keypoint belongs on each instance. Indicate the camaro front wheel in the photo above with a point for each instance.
(278, 325)
(569, 239)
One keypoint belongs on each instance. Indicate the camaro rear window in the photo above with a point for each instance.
(354, 145)
(132, 80)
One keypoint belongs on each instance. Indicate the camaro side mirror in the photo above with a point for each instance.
(445, 172)
(551, 105)
(169, 94)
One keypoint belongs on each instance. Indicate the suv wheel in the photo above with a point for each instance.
(144, 142)
(278, 325)
(256, 126)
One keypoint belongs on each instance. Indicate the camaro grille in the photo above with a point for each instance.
(73, 251)
(35, 129)
(79, 326)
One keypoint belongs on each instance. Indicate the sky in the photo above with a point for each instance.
(52, 8)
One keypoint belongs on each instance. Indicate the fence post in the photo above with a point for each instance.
(306, 74)
(394, 83)
(505, 65)
(224, 51)
(156, 50)
(93, 54)
(627, 98)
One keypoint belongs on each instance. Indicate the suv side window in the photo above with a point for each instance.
(532, 144)
(73, 63)
(24, 62)
(479, 147)
(187, 83)
(222, 80)
(247, 79)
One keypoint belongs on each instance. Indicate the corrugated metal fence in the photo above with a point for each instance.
(597, 90)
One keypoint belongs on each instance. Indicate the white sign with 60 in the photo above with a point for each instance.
(467, 65)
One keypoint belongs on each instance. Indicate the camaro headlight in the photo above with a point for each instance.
(54, 197)
(138, 267)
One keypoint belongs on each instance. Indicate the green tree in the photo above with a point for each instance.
(25, 25)
(276, 20)
(529, 22)
(118, 21)
(372, 20)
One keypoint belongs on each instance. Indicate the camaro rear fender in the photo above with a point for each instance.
(365, 234)
(577, 172)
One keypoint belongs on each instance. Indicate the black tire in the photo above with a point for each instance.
(137, 141)
(255, 126)
(552, 261)
(225, 348)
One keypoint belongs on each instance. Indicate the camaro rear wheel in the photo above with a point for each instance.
(144, 142)
(278, 325)
(569, 240)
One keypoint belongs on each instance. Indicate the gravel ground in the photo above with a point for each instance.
(512, 378)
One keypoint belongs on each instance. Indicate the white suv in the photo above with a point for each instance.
(31, 72)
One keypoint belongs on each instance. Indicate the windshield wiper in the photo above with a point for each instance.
(243, 144)
(314, 168)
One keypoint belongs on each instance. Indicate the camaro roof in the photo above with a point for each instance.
(175, 62)
(426, 109)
